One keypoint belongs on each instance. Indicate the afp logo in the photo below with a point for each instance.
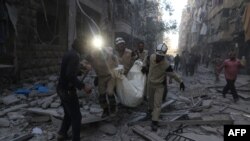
(233, 132)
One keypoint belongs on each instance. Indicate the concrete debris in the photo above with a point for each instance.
(40, 119)
(125, 137)
(37, 130)
(53, 78)
(194, 116)
(209, 129)
(207, 103)
(15, 116)
(146, 134)
(86, 107)
(23, 137)
(4, 122)
(51, 86)
(50, 136)
(55, 105)
(10, 99)
(13, 108)
(50, 112)
(108, 129)
(95, 109)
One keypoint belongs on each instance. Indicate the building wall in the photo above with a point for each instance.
(39, 46)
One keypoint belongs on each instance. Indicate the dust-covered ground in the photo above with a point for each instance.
(198, 113)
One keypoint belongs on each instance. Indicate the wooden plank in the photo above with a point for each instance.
(151, 136)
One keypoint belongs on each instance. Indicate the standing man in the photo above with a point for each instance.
(66, 89)
(104, 61)
(125, 56)
(176, 62)
(159, 68)
(231, 69)
(141, 52)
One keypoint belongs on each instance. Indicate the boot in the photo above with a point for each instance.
(104, 104)
(112, 104)
(154, 125)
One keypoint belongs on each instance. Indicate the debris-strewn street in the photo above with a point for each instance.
(198, 113)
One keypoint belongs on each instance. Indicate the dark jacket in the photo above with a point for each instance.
(69, 69)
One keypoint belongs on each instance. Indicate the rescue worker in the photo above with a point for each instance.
(103, 61)
(231, 67)
(125, 56)
(66, 89)
(159, 68)
(141, 52)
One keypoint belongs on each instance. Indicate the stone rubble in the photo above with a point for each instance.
(201, 101)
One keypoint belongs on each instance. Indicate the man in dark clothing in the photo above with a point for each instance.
(66, 89)
(176, 62)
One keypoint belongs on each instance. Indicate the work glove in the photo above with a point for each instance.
(144, 70)
(182, 86)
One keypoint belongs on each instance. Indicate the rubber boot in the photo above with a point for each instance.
(104, 104)
(112, 104)
(154, 125)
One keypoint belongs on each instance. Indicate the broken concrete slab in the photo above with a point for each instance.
(146, 134)
(40, 118)
(209, 129)
(125, 137)
(4, 122)
(95, 109)
(52, 112)
(10, 99)
(92, 118)
(15, 115)
(13, 108)
(194, 116)
(23, 137)
(207, 103)
(108, 129)
(47, 103)
(55, 105)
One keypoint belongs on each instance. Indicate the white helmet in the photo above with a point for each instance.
(161, 49)
(119, 40)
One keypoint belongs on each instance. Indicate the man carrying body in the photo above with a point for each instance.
(104, 61)
(159, 68)
(66, 89)
(125, 56)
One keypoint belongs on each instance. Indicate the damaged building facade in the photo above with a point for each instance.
(214, 27)
(34, 34)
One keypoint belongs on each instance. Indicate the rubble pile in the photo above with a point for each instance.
(198, 113)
